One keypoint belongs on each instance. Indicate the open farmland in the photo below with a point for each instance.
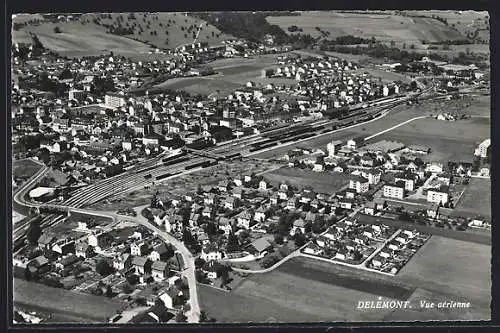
(25, 168)
(320, 182)
(386, 76)
(466, 22)
(87, 37)
(288, 296)
(458, 268)
(77, 40)
(92, 308)
(449, 141)
(476, 198)
(384, 27)
(307, 290)
(181, 28)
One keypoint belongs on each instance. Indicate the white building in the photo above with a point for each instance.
(114, 100)
(394, 191)
(358, 183)
(482, 148)
(333, 147)
(437, 195)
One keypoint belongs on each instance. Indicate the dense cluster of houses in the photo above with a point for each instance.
(396, 253)
(400, 167)
(92, 251)
(349, 241)
(331, 82)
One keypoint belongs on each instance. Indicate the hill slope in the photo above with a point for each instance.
(384, 27)
(133, 34)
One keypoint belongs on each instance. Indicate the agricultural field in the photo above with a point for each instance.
(320, 181)
(86, 38)
(177, 24)
(57, 300)
(466, 22)
(453, 267)
(77, 40)
(384, 27)
(298, 292)
(24, 168)
(200, 85)
(307, 290)
(476, 198)
(449, 141)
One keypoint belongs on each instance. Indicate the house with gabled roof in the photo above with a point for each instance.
(237, 192)
(298, 226)
(260, 214)
(210, 252)
(159, 271)
(122, 261)
(259, 247)
(193, 219)
(230, 203)
(140, 264)
(46, 241)
(38, 265)
(84, 250)
(225, 225)
(159, 252)
(243, 219)
(139, 248)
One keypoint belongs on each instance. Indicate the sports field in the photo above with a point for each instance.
(200, 85)
(233, 73)
(476, 198)
(323, 182)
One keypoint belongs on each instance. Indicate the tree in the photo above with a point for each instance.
(103, 267)
(180, 317)
(203, 317)
(127, 288)
(211, 229)
(34, 231)
(109, 292)
(199, 262)
(269, 260)
(27, 274)
(300, 239)
(233, 244)
(278, 239)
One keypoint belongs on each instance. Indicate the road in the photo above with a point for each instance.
(124, 182)
(193, 314)
(394, 127)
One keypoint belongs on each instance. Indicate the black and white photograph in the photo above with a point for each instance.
(250, 167)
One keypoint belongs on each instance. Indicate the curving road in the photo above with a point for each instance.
(193, 314)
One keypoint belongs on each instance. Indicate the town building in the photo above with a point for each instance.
(395, 191)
